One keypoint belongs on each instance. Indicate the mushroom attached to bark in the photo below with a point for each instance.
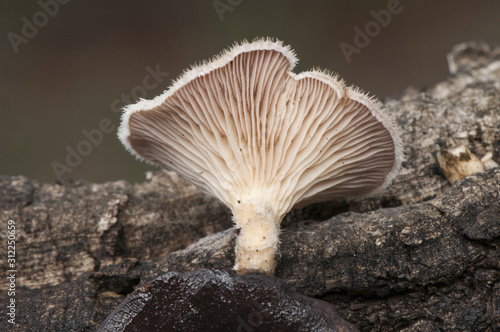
(246, 129)
(458, 163)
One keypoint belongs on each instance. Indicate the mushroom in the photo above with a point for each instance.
(246, 129)
(459, 162)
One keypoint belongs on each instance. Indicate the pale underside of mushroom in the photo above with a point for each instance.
(245, 129)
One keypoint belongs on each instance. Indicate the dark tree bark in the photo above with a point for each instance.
(420, 256)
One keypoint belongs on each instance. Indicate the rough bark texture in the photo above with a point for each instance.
(420, 256)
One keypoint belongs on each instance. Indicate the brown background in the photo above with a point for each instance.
(65, 79)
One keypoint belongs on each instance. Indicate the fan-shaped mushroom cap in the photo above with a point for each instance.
(247, 130)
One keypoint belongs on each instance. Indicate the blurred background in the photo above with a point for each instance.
(67, 67)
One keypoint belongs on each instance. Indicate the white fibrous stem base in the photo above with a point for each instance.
(257, 241)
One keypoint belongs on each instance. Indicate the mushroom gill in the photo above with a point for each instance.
(245, 129)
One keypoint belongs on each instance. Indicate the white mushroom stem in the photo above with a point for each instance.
(258, 236)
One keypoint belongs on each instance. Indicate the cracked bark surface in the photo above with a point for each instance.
(420, 256)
